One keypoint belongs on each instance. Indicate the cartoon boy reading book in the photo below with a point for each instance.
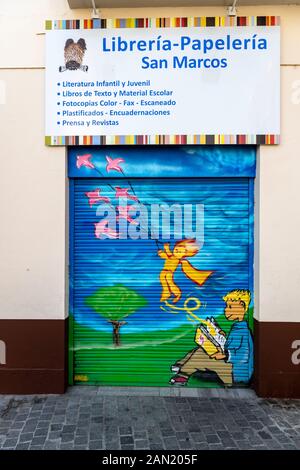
(233, 362)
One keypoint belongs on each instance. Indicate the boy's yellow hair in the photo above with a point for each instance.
(239, 295)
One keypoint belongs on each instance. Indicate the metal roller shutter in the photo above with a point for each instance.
(120, 280)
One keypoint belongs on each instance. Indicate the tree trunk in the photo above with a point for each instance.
(116, 331)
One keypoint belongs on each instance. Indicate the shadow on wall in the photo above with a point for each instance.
(2, 352)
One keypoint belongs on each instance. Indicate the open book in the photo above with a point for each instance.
(208, 336)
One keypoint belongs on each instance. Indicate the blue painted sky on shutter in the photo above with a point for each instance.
(184, 161)
(228, 216)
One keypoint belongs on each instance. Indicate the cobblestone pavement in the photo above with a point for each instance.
(92, 418)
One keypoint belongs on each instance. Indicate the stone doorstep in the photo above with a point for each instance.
(236, 393)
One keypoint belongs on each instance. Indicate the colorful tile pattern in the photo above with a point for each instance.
(185, 22)
(164, 140)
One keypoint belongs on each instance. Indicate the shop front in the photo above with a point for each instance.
(150, 283)
(162, 229)
(158, 245)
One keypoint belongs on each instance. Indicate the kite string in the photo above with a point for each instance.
(186, 308)
(132, 189)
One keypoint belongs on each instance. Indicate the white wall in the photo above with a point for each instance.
(279, 219)
(33, 177)
(32, 204)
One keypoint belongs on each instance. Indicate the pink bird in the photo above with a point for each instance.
(84, 160)
(123, 192)
(94, 197)
(123, 214)
(101, 228)
(114, 164)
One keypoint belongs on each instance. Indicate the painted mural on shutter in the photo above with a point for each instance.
(171, 309)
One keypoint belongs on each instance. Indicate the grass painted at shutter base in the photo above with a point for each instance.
(140, 352)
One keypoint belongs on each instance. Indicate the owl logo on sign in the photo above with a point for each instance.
(74, 54)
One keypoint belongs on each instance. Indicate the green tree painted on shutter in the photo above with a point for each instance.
(116, 303)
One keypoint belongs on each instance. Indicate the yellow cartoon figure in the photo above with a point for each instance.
(182, 249)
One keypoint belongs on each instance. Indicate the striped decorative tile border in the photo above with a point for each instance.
(164, 140)
(201, 21)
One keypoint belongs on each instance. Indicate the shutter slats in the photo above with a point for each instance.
(155, 335)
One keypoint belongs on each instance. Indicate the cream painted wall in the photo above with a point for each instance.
(32, 207)
(33, 177)
(279, 212)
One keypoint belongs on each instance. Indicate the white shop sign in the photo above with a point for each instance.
(185, 81)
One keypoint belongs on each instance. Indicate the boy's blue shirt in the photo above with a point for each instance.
(239, 346)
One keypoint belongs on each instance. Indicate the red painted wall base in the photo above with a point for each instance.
(35, 356)
(36, 352)
(276, 376)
